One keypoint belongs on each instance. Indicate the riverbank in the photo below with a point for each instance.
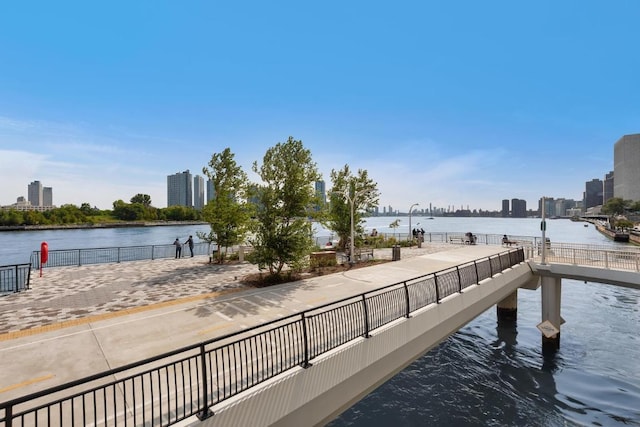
(89, 226)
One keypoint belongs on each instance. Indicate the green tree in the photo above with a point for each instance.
(346, 187)
(285, 201)
(143, 199)
(395, 224)
(128, 211)
(229, 213)
(615, 206)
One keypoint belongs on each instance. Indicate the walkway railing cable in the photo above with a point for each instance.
(173, 386)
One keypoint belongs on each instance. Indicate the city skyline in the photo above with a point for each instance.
(440, 104)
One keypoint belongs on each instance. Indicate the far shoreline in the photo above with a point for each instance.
(98, 225)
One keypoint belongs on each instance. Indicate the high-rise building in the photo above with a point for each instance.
(626, 158)
(518, 208)
(47, 196)
(608, 187)
(593, 193)
(34, 193)
(321, 194)
(198, 192)
(211, 191)
(179, 189)
(505, 208)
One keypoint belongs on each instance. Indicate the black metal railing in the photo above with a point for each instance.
(168, 388)
(14, 278)
(71, 257)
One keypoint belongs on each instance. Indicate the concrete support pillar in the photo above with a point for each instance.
(551, 291)
(507, 309)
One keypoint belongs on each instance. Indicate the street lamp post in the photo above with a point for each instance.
(410, 209)
(351, 201)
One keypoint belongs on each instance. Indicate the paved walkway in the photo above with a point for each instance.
(77, 321)
(64, 295)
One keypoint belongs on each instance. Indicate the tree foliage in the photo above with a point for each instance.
(228, 213)
(347, 187)
(285, 200)
(615, 206)
(143, 199)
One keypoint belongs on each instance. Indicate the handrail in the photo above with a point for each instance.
(84, 256)
(173, 386)
(585, 256)
(14, 278)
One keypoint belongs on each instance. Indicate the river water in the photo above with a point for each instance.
(485, 374)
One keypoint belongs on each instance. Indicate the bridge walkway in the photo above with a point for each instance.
(76, 321)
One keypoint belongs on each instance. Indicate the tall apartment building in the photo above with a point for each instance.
(593, 193)
(211, 191)
(505, 208)
(608, 187)
(198, 192)
(47, 196)
(179, 189)
(626, 158)
(518, 208)
(321, 193)
(34, 193)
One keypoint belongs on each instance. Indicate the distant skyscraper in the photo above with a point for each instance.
(198, 192)
(179, 189)
(608, 187)
(321, 193)
(593, 193)
(518, 208)
(626, 161)
(47, 196)
(505, 208)
(211, 192)
(34, 193)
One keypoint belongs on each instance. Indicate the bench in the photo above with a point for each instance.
(361, 252)
(459, 240)
(509, 242)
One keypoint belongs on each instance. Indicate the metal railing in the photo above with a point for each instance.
(70, 257)
(438, 237)
(171, 387)
(14, 278)
(590, 255)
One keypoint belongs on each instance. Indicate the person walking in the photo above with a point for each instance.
(178, 248)
(190, 243)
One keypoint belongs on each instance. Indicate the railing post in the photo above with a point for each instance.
(606, 259)
(475, 264)
(574, 256)
(366, 316)
(459, 280)
(205, 412)
(406, 296)
(490, 267)
(153, 247)
(79, 262)
(500, 262)
(435, 281)
(305, 363)
(16, 278)
(118, 255)
(8, 416)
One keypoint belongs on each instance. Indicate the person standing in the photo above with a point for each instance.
(190, 243)
(178, 248)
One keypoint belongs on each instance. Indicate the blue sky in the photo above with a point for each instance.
(459, 103)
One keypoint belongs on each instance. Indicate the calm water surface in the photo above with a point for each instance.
(486, 374)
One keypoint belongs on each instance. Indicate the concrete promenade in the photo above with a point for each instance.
(77, 321)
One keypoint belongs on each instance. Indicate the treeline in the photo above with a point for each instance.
(139, 209)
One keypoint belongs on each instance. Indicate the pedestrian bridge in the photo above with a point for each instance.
(307, 368)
